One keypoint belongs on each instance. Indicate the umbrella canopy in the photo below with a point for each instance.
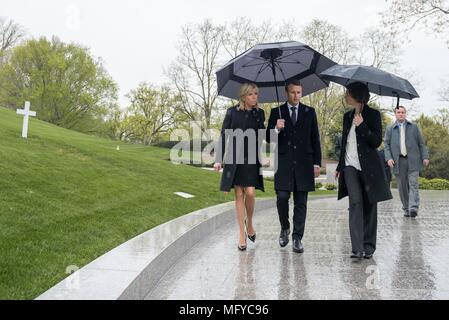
(378, 81)
(270, 66)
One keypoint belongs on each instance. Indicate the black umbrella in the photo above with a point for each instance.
(270, 66)
(378, 81)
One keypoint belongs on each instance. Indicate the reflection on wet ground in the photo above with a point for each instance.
(410, 262)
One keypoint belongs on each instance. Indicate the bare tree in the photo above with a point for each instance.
(378, 48)
(444, 93)
(241, 34)
(10, 34)
(443, 117)
(193, 72)
(404, 15)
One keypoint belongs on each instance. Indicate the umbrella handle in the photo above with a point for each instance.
(397, 102)
(273, 69)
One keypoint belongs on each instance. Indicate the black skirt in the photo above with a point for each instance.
(246, 175)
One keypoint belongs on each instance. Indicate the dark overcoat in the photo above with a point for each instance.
(298, 148)
(237, 119)
(369, 138)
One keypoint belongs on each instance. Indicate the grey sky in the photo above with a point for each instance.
(136, 38)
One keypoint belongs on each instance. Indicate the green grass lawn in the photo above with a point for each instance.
(66, 198)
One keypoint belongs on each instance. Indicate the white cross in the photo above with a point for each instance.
(26, 112)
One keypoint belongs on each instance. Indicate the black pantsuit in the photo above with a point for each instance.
(362, 213)
(367, 187)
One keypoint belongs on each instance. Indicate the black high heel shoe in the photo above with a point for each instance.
(242, 248)
(250, 237)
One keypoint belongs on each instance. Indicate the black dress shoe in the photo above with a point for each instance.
(407, 213)
(368, 255)
(357, 255)
(283, 237)
(413, 214)
(297, 246)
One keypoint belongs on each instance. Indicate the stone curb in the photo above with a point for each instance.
(131, 270)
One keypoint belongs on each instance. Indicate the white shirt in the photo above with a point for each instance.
(402, 127)
(352, 154)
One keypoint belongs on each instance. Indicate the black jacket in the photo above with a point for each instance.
(298, 148)
(369, 138)
(236, 119)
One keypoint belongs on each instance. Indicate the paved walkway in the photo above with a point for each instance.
(411, 261)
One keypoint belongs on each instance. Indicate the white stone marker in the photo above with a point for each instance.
(184, 195)
(26, 112)
(330, 171)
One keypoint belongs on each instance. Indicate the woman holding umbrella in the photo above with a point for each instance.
(360, 173)
(241, 169)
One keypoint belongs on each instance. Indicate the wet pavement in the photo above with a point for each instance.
(411, 261)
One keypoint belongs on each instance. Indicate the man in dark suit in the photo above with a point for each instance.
(298, 161)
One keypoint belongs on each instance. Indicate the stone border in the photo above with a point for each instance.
(131, 270)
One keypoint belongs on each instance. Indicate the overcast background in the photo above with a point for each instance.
(137, 39)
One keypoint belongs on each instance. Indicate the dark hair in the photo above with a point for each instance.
(359, 91)
(399, 107)
(293, 82)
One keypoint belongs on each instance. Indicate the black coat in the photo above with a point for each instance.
(369, 138)
(236, 119)
(298, 148)
(385, 165)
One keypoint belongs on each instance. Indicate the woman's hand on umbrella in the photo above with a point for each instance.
(217, 167)
(358, 119)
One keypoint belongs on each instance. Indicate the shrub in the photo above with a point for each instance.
(330, 186)
(318, 185)
(433, 184)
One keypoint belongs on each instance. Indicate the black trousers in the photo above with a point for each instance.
(299, 211)
(362, 213)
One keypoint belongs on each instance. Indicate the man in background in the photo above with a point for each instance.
(406, 154)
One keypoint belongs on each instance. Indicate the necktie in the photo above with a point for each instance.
(403, 147)
(293, 115)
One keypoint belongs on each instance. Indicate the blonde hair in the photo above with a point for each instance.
(245, 90)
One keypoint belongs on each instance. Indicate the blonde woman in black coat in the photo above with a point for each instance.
(242, 169)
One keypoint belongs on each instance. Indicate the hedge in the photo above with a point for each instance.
(433, 184)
